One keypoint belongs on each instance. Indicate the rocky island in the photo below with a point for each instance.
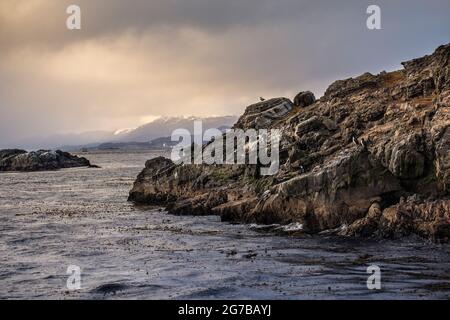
(41, 160)
(369, 158)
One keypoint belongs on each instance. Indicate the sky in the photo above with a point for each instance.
(136, 60)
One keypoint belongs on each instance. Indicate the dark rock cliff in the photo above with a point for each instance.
(42, 160)
(370, 158)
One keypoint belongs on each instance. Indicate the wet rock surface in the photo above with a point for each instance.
(369, 158)
(41, 160)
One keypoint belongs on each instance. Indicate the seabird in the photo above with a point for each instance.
(354, 141)
(363, 143)
(302, 169)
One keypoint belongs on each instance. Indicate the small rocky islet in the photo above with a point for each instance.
(371, 158)
(41, 160)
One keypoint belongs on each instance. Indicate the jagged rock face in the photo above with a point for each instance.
(261, 115)
(42, 160)
(425, 217)
(347, 161)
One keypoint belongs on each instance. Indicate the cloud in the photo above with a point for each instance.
(139, 59)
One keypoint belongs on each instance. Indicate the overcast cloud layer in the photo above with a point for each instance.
(136, 60)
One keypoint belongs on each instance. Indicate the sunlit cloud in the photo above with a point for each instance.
(132, 63)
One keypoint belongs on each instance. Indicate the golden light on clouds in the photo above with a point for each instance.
(135, 61)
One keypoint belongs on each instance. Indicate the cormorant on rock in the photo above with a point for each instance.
(363, 143)
(262, 99)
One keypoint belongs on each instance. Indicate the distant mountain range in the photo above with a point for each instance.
(163, 127)
(153, 135)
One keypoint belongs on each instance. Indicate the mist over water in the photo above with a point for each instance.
(50, 220)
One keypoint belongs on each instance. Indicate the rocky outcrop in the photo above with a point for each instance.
(42, 160)
(370, 158)
(304, 99)
(263, 114)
